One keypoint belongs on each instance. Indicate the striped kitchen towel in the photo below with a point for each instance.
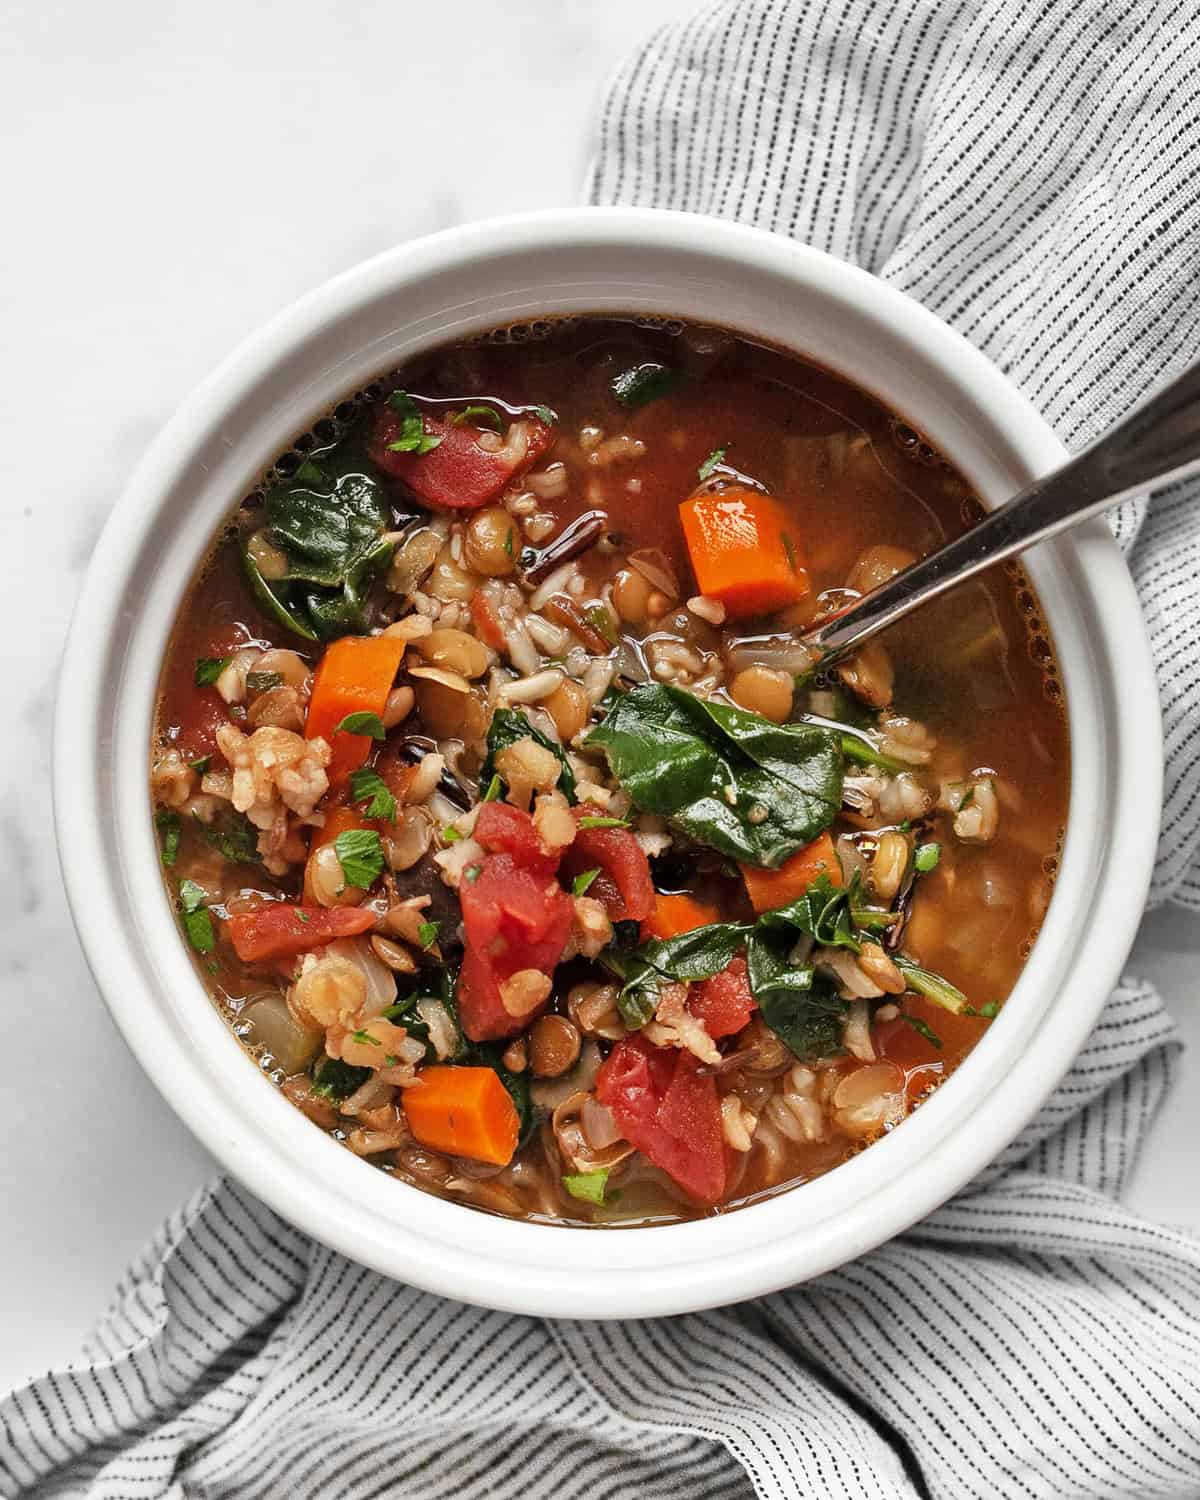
(1028, 170)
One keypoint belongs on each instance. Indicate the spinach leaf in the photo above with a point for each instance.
(232, 834)
(823, 912)
(507, 727)
(337, 1080)
(641, 384)
(437, 985)
(169, 826)
(197, 923)
(754, 790)
(645, 971)
(807, 1020)
(490, 1055)
(331, 531)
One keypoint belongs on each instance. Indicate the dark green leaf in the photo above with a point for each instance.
(932, 986)
(545, 414)
(209, 668)
(507, 727)
(604, 822)
(643, 383)
(197, 923)
(169, 826)
(708, 467)
(325, 531)
(990, 1011)
(808, 1021)
(823, 912)
(232, 835)
(310, 472)
(413, 437)
(200, 765)
(362, 723)
(579, 886)
(263, 682)
(272, 604)
(368, 786)
(360, 855)
(754, 790)
(588, 1187)
(698, 954)
(333, 1079)
(427, 933)
(479, 416)
(490, 1055)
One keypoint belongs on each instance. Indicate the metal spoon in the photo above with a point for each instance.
(1157, 442)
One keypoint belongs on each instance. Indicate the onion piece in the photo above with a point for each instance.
(599, 1127)
(381, 982)
(784, 653)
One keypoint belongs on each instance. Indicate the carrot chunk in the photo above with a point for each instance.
(463, 1112)
(675, 914)
(768, 889)
(354, 676)
(743, 551)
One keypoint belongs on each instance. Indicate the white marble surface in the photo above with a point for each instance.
(176, 173)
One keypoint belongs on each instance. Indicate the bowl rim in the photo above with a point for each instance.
(533, 1268)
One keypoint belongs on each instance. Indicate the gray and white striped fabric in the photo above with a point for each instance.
(1028, 171)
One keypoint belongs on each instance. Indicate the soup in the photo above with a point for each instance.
(513, 831)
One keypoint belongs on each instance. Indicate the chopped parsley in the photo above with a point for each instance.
(200, 765)
(604, 823)
(168, 825)
(413, 437)
(545, 414)
(360, 855)
(588, 1187)
(450, 835)
(365, 1039)
(579, 886)
(209, 668)
(926, 858)
(362, 723)
(495, 787)
(708, 467)
(368, 786)
(427, 933)
(990, 1011)
(197, 923)
(481, 416)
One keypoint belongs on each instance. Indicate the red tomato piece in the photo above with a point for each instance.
(203, 713)
(723, 1004)
(486, 621)
(513, 918)
(458, 474)
(279, 931)
(504, 829)
(623, 885)
(669, 1110)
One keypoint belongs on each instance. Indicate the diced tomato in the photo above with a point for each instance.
(486, 621)
(278, 931)
(458, 474)
(513, 918)
(504, 829)
(623, 885)
(723, 1004)
(669, 1110)
(203, 713)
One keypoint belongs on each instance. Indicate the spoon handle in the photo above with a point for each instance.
(1156, 442)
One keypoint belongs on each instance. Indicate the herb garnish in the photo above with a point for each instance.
(232, 834)
(362, 723)
(604, 822)
(427, 933)
(481, 416)
(708, 468)
(168, 825)
(545, 414)
(926, 858)
(197, 923)
(413, 437)
(368, 786)
(588, 1187)
(365, 1039)
(641, 384)
(581, 883)
(209, 668)
(201, 764)
(336, 1080)
(922, 1028)
(360, 855)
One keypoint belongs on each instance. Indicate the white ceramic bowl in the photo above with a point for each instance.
(368, 320)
